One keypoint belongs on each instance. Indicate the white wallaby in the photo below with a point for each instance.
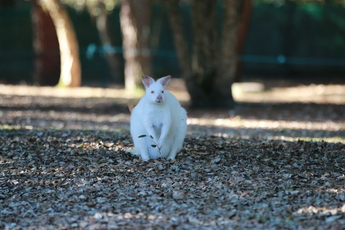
(158, 122)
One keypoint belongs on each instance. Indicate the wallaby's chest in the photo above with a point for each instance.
(157, 117)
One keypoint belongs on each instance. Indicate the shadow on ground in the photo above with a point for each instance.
(63, 164)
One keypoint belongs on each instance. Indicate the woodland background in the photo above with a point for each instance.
(283, 40)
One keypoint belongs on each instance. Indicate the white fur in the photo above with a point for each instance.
(160, 115)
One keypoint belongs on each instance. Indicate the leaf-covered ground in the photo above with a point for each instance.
(264, 165)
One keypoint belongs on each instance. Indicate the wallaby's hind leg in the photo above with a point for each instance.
(140, 144)
(141, 148)
(179, 136)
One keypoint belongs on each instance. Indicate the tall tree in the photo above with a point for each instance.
(242, 33)
(210, 70)
(46, 46)
(69, 52)
(135, 18)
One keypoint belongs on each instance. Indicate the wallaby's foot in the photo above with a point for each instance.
(172, 157)
(145, 156)
(145, 159)
(171, 160)
(133, 152)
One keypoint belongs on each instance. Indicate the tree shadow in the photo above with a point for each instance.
(261, 120)
(278, 111)
(80, 105)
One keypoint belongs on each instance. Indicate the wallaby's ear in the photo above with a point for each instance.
(147, 81)
(164, 80)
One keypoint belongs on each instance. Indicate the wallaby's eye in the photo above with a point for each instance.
(152, 91)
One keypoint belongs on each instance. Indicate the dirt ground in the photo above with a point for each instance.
(276, 161)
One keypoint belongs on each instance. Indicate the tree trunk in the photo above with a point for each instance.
(135, 20)
(246, 9)
(227, 59)
(102, 28)
(181, 46)
(70, 75)
(212, 67)
(204, 71)
(46, 46)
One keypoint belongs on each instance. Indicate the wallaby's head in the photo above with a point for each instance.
(155, 89)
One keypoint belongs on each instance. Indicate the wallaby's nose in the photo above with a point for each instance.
(159, 98)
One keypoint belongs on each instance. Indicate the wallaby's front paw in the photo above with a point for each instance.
(159, 146)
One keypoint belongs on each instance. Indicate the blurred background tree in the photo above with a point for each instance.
(135, 21)
(46, 47)
(210, 70)
(135, 18)
(70, 72)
